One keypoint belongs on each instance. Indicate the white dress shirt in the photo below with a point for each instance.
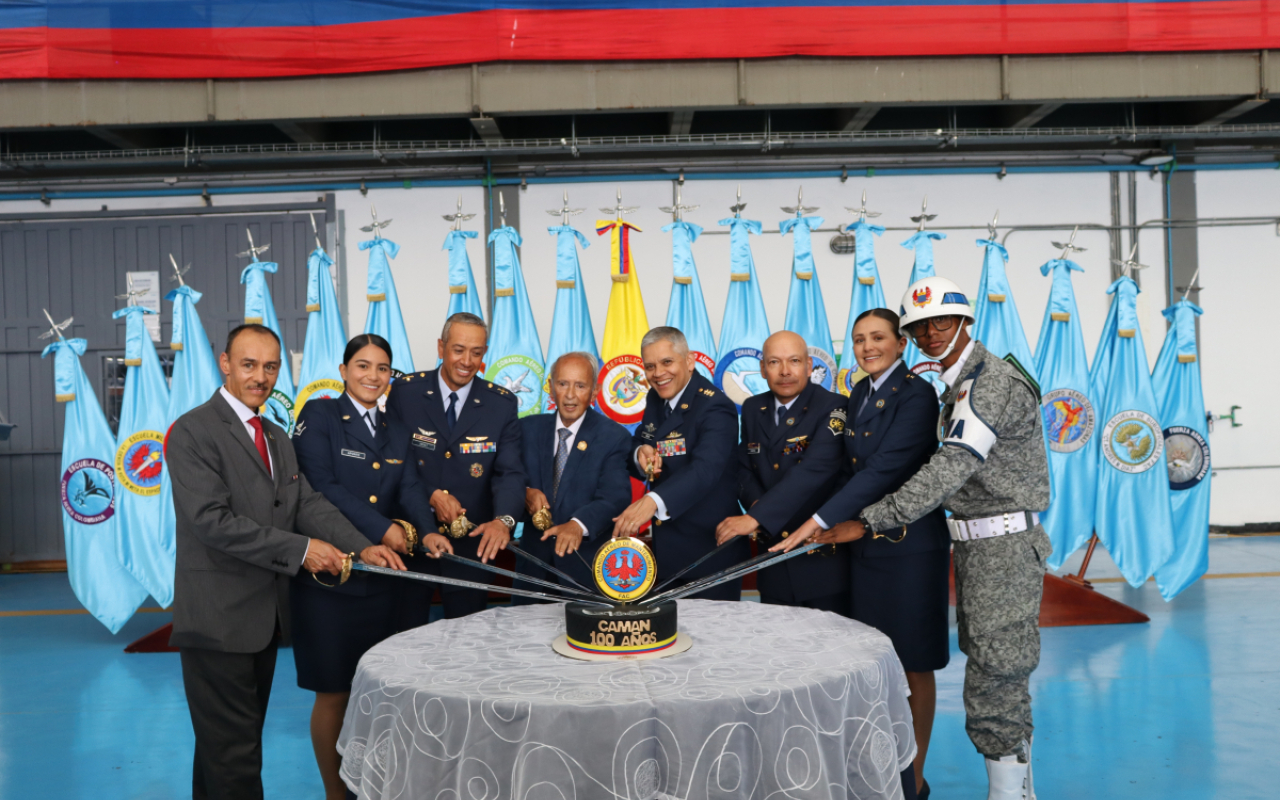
(245, 414)
(777, 404)
(463, 393)
(568, 443)
(369, 415)
(952, 373)
(662, 507)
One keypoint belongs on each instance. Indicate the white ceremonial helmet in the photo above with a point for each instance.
(933, 297)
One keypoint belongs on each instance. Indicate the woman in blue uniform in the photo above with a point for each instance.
(899, 577)
(357, 458)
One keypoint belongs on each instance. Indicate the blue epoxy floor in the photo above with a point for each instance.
(1187, 706)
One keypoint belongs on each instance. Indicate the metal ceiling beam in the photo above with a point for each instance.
(680, 122)
(1233, 110)
(1027, 116)
(301, 132)
(856, 119)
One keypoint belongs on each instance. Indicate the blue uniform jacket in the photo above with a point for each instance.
(698, 482)
(371, 481)
(886, 444)
(785, 472)
(478, 462)
(594, 488)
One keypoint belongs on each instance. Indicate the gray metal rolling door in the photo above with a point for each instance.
(75, 267)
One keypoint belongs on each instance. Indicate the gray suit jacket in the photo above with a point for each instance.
(240, 535)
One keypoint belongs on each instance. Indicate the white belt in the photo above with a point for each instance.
(966, 530)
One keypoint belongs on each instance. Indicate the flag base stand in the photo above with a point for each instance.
(155, 642)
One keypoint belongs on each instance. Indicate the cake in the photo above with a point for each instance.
(624, 630)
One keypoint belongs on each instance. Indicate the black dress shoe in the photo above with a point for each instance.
(923, 792)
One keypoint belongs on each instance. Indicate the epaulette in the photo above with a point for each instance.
(498, 390)
(911, 376)
(707, 392)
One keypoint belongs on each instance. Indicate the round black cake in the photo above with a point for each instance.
(621, 631)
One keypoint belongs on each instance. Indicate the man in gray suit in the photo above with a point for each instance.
(246, 521)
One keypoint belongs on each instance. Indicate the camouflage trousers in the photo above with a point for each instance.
(999, 582)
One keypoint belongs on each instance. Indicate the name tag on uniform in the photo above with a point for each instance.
(671, 447)
(424, 441)
(472, 448)
(753, 449)
(353, 454)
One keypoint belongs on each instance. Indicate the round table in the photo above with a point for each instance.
(771, 702)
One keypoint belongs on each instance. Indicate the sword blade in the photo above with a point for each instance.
(517, 576)
(684, 571)
(724, 576)
(566, 576)
(418, 576)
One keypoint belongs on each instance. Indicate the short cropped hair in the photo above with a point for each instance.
(247, 328)
(666, 333)
(463, 318)
(587, 357)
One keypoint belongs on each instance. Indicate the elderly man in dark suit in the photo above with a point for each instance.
(465, 433)
(688, 435)
(246, 521)
(576, 462)
(790, 460)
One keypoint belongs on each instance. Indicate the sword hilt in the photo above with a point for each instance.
(343, 576)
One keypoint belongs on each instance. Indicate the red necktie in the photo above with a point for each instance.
(260, 442)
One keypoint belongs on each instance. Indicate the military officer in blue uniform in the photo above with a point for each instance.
(576, 460)
(464, 435)
(790, 460)
(360, 461)
(687, 436)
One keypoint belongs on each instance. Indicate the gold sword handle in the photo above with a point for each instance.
(343, 576)
(410, 534)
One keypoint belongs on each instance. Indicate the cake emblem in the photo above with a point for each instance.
(625, 569)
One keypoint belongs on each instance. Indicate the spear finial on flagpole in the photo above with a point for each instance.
(315, 231)
(130, 294)
(738, 207)
(178, 272)
(861, 210)
(1130, 264)
(1070, 245)
(376, 227)
(564, 212)
(799, 209)
(502, 210)
(253, 250)
(458, 217)
(991, 226)
(1192, 286)
(56, 328)
(924, 217)
(677, 211)
(619, 209)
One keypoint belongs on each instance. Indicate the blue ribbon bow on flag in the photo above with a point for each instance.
(1177, 384)
(259, 308)
(1133, 517)
(90, 498)
(139, 463)
(996, 321)
(514, 359)
(806, 312)
(1070, 418)
(921, 242)
(687, 309)
(745, 326)
(326, 336)
(463, 295)
(867, 294)
(385, 318)
(571, 330)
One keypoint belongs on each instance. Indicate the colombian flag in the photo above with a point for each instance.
(622, 383)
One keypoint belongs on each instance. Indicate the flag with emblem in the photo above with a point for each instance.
(1069, 415)
(623, 386)
(996, 321)
(745, 326)
(921, 243)
(89, 495)
(139, 464)
(514, 360)
(687, 309)
(260, 308)
(867, 294)
(463, 295)
(806, 312)
(384, 316)
(326, 336)
(1186, 442)
(1133, 517)
(571, 330)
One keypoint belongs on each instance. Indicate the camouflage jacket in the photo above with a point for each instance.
(992, 459)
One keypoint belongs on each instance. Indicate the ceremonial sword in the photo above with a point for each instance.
(418, 576)
(725, 575)
(703, 558)
(531, 557)
(517, 576)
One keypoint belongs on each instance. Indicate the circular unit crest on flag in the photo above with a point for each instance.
(625, 569)
(279, 409)
(824, 369)
(88, 491)
(140, 462)
(522, 376)
(1069, 419)
(708, 364)
(317, 390)
(1132, 441)
(1187, 455)
(738, 375)
(623, 388)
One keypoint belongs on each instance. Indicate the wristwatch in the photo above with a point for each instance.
(509, 521)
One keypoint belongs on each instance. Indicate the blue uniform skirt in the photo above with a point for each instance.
(331, 631)
(905, 598)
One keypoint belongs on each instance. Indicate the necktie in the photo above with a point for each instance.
(866, 395)
(451, 415)
(373, 426)
(781, 411)
(663, 411)
(562, 458)
(260, 441)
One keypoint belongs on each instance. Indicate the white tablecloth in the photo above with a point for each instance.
(770, 703)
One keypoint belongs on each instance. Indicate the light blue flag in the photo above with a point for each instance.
(687, 309)
(1070, 418)
(1186, 441)
(384, 316)
(259, 308)
(997, 324)
(571, 330)
(141, 545)
(515, 352)
(463, 295)
(1134, 517)
(867, 294)
(89, 495)
(806, 313)
(1100, 372)
(921, 242)
(745, 326)
(326, 335)
(195, 378)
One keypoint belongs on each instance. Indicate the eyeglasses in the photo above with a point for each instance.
(939, 324)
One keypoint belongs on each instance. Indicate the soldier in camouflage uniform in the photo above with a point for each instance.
(992, 474)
